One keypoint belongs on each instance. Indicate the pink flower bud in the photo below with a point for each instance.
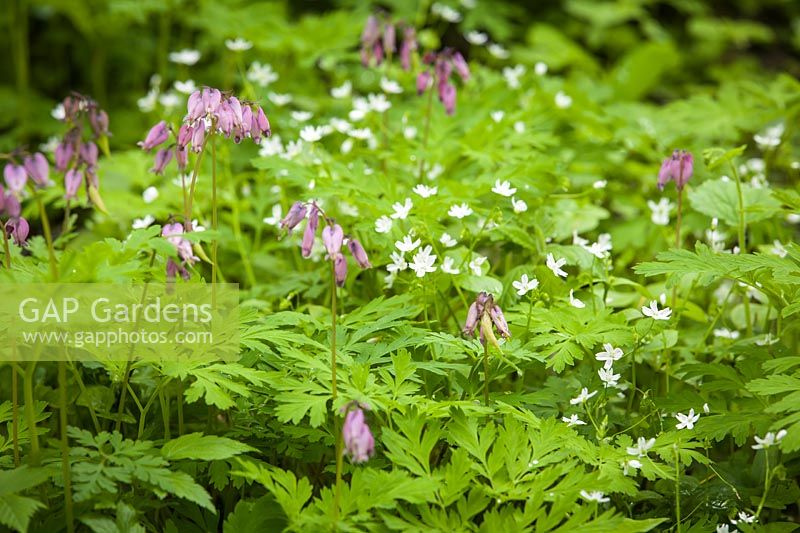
(185, 135)
(182, 157)
(295, 215)
(11, 205)
(236, 109)
(408, 47)
(461, 66)
(311, 231)
(359, 443)
(98, 119)
(18, 228)
(678, 167)
(157, 135)
(472, 319)
(496, 314)
(38, 169)
(211, 100)
(447, 94)
(225, 118)
(194, 107)
(340, 269)
(332, 237)
(15, 177)
(163, 157)
(423, 81)
(198, 137)
(247, 119)
(63, 155)
(358, 253)
(89, 153)
(389, 39)
(263, 122)
(72, 181)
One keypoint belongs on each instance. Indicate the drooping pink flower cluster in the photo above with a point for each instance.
(75, 157)
(484, 308)
(173, 232)
(209, 111)
(379, 41)
(678, 168)
(333, 238)
(440, 68)
(359, 444)
(16, 177)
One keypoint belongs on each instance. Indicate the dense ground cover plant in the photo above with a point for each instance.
(576, 301)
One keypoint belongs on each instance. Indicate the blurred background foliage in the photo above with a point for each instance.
(110, 49)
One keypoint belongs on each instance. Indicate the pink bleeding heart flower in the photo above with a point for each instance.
(15, 177)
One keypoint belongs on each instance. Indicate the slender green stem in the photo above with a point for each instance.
(740, 197)
(180, 407)
(767, 481)
(6, 248)
(237, 234)
(426, 133)
(334, 396)
(129, 363)
(19, 31)
(677, 487)
(15, 412)
(214, 243)
(678, 241)
(30, 413)
(528, 321)
(65, 467)
(48, 237)
(486, 373)
(187, 215)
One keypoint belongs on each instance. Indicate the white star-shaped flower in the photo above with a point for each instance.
(476, 37)
(279, 99)
(563, 100)
(460, 211)
(594, 496)
(744, 517)
(608, 377)
(312, 134)
(378, 102)
(144, 222)
(390, 86)
(448, 266)
(149, 195)
(476, 264)
(302, 116)
(660, 211)
(398, 263)
(401, 211)
(447, 240)
(425, 191)
(503, 188)
(497, 116)
(343, 91)
(519, 205)
(655, 313)
(407, 244)
(643, 445)
(277, 214)
(609, 355)
(238, 44)
(770, 439)
(573, 421)
(383, 224)
(583, 396)
(574, 302)
(555, 266)
(525, 285)
(423, 261)
(186, 56)
(686, 421)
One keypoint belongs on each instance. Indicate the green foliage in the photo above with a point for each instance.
(603, 411)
